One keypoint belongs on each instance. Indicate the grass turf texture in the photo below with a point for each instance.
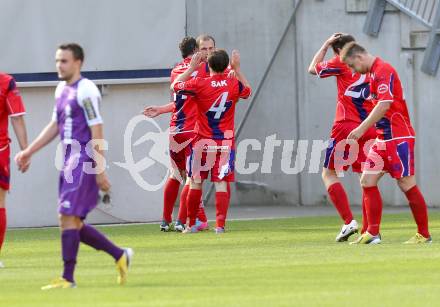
(282, 262)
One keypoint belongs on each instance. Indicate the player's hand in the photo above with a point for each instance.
(23, 160)
(196, 59)
(232, 74)
(151, 111)
(235, 60)
(355, 134)
(333, 38)
(103, 182)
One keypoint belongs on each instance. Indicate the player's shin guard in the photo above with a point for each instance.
(222, 206)
(70, 246)
(419, 210)
(364, 215)
(373, 206)
(169, 198)
(3, 225)
(340, 201)
(92, 237)
(193, 203)
(183, 210)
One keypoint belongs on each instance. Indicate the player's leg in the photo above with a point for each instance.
(4, 188)
(193, 202)
(335, 160)
(91, 236)
(222, 175)
(221, 205)
(183, 209)
(171, 190)
(365, 144)
(179, 151)
(364, 214)
(3, 219)
(373, 207)
(339, 199)
(418, 207)
(70, 239)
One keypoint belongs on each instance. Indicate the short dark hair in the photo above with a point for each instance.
(204, 37)
(187, 46)
(350, 50)
(218, 60)
(341, 41)
(77, 50)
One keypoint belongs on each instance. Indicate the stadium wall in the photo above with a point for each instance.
(291, 105)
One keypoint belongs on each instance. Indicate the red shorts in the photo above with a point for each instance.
(215, 156)
(180, 149)
(394, 156)
(4, 167)
(340, 155)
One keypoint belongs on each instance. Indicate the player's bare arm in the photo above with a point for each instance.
(153, 111)
(45, 137)
(97, 141)
(320, 55)
(19, 126)
(378, 112)
(235, 65)
(195, 62)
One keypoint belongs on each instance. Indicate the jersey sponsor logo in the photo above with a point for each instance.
(90, 109)
(219, 83)
(382, 89)
(66, 204)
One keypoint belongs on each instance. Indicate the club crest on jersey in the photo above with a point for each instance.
(382, 89)
(219, 83)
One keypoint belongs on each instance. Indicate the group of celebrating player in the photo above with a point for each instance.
(369, 94)
(205, 87)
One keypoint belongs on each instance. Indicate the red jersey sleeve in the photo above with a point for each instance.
(382, 86)
(14, 102)
(189, 87)
(244, 91)
(332, 67)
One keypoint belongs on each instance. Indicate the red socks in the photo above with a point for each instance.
(169, 198)
(2, 226)
(340, 201)
(364, 215)
(419, 210)
(183, 210)
(201, 215)
(221, 205)
(373, 206)
(193, 203)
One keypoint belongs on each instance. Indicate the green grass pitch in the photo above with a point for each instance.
(282, 262)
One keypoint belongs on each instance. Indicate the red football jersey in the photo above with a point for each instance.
(386, 86)
(353, 90)
(184, 114)
(215, 98)
(11, 104)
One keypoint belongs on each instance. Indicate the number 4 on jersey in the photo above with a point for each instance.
(219, 105)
